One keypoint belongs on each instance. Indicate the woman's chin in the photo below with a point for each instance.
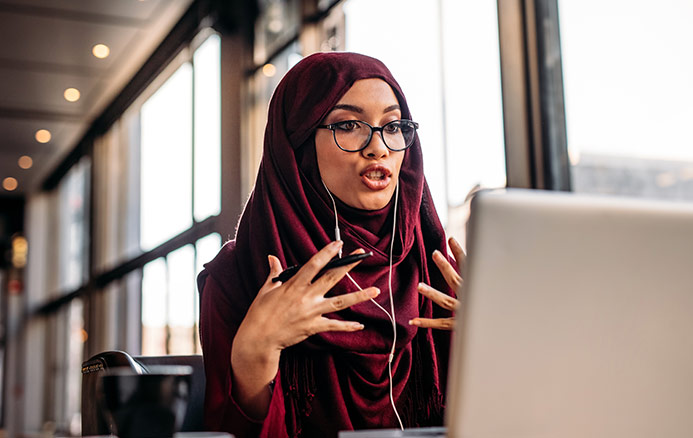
(371, 202)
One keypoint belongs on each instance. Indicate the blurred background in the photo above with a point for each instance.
(131, 130)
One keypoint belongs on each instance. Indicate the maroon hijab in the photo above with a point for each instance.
(334, 381)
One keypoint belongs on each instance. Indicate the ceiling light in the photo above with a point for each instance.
(43, 136)
(71, 94)
(269, 70)
(25, 162)
(9, 183)
(101, 51)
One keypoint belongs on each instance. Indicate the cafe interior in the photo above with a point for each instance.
(131, 132)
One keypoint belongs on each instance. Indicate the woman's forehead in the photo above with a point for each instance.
(368, 92)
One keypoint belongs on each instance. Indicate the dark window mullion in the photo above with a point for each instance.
(166, 304)
(192, 163)
(192, 139)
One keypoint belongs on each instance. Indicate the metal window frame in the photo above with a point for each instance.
(532, 89)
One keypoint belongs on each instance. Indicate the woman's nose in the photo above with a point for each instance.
(376, 147)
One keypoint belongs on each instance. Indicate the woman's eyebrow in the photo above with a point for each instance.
(347, 107)
(391, 108)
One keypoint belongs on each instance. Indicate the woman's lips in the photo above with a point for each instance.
(376, 177)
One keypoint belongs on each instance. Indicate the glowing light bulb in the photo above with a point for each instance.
(269, 70)
(101, 51)
(43, 136)
(9, 184)
(25, 162)
(71, 94)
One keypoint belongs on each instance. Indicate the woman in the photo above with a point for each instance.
(310, 357)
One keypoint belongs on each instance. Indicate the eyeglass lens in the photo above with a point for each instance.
(355, 135)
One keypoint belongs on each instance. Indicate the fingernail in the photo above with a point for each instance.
(436, 252)
(412, 322)
(337, 243)
(374, 292)
(357, 325)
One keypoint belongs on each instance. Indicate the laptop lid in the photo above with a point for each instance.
(576, 319)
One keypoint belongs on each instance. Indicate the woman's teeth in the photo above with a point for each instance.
(375, 175)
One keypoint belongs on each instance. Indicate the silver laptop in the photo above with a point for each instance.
(577, 319)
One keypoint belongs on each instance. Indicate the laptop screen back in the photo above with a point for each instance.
(577, 319)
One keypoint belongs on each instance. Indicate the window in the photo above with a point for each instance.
(116, 185)
(278, 22)
(472, 98)
(181, 125)
(73, 243)
(261, 85)
(170, 303)
(76, 336)
(450, 73)
(207, 127)
(166, 157)
(180, 172)
(154, 308)
(627, 97)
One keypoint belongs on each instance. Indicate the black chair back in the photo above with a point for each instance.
(93, 422)
(194, 414)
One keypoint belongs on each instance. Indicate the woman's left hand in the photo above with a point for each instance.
(453, 278)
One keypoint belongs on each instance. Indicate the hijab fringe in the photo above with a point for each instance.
(422, 402)
(299, 388)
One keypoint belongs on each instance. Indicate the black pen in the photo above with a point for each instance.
(290, 271)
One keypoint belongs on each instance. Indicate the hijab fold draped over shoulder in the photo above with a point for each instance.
(331, 381)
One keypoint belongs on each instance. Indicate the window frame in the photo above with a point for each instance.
(532, 89)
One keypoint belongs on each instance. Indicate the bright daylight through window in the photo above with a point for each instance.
(181, 185)
(628, 90)
(458, 104)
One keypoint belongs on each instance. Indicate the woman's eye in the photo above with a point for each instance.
(348, 125)
(392, 128)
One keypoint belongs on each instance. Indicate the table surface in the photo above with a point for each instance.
(180, 435)
(414, 432)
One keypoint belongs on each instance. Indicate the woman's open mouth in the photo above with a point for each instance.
(376, 177)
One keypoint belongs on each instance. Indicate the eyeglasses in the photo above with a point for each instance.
(355, 135)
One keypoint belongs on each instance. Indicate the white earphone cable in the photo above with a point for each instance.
(392, 305)
(391, 314)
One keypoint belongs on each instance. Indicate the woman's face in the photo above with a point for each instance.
(365, 179)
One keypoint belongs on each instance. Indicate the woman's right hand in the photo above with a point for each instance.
(284, 314)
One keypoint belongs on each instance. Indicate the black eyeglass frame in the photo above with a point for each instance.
(333, 126)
